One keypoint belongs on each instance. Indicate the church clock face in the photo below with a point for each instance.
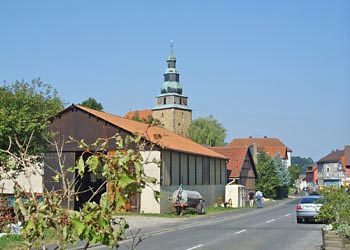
(185, 101)
(159, 101)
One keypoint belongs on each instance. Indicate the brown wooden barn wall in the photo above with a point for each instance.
(81, 125)
(78, 125)
(248, 177)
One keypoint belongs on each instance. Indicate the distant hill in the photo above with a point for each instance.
(303, 163)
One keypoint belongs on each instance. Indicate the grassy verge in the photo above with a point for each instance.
(12, 241)
(188, 213)
(16, 241)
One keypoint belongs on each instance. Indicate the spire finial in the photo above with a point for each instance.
(171, 47)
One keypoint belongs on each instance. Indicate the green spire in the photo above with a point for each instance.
(171, 76)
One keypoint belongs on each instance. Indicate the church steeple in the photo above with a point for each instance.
(171, 59)
(171, 106)
(171, 76)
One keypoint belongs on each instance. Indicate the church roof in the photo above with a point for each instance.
(142, 114)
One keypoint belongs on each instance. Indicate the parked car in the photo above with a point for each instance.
(314, 193)
(308, 208)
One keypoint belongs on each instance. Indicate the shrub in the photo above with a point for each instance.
(335, 210)
(344, 231)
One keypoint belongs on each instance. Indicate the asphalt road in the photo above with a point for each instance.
(269, 228)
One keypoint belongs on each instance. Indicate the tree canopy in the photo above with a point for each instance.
(294, 172)
(150, 120)
(207, 131)
(92, 103)
(273, 178)
(24, 112)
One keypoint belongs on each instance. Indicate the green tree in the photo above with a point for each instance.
(150, 120)
(93, 104)
(283, 177)
(273, 178)
(24, 112)
(207, 131)
(268, 180)
(294, 172)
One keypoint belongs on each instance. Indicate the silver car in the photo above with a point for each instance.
(308, 208)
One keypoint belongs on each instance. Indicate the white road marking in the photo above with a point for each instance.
(287, 214)
(269, 221)
(240, 231)
(194, 247)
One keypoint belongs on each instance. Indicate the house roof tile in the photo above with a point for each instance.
(272, 146)
(236, 157)
(334, 156)
(159, 136)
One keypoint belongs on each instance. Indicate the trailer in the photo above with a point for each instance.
(187, 199)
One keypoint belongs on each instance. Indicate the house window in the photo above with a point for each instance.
(327, 171)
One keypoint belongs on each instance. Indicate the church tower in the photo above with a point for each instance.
(171, 106)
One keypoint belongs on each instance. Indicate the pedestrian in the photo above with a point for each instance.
(259, 196)
(251, 198)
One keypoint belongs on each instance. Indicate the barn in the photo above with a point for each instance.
(182, 161)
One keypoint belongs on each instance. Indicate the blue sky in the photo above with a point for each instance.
(261, 68)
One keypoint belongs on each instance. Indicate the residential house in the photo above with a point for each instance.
(182, 160)
(333, 168)
(345, 160)
(240, 167)
(301, 182)
(272, 146)
(31, 180)
(312, 176)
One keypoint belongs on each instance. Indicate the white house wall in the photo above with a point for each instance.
(329, 174)
(148, 202)
(289, 160)
(31, 181)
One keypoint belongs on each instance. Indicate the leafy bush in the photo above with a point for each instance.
(344, 231)
(335, 210)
